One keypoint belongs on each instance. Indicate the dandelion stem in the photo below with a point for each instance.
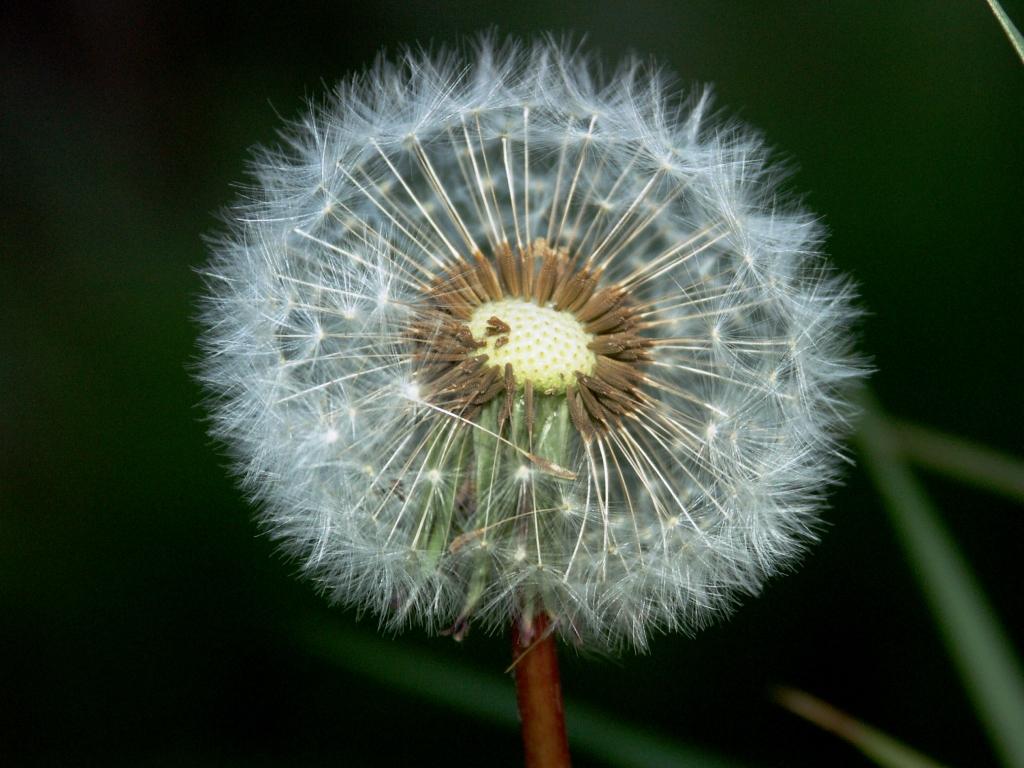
(539, 694)
(962, 459)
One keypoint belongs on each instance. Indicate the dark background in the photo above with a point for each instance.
(144, 620)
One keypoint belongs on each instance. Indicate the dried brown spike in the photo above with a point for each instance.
(439, 356)
(609, 321)
(443, 339)
(488, 278)
(601, 302)
(561, 283)
(568, 290)
(473, 386)
(605, 345)
(613, 406)
(630, 340)
(546, 279)
(601, 387)
(527, 258)
(614, 343)
(622, 376)
(591, 403)
(496, 326)
(510, 392)
(509, 269)
(466, 371)
(549, 467)
(459, 542)
(633, 356)
(564, 264)
(459, 286)
(419, 330)
(465, 338)
(475, 363)
(450, 298)
(586, 292)
(454, 376)
(472, 278)
(492, 390)
(578, 415)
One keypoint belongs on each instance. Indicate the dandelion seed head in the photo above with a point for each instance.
(492, 333)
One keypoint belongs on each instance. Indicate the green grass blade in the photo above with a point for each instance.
(491, 698)
(1016, 40)
(981, 651)
(879, 747)
(961, 459)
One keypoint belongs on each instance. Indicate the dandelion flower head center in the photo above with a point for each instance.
(533, 321)
(544, 345)
(494, 333)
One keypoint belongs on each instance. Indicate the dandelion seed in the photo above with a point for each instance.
(494, 336)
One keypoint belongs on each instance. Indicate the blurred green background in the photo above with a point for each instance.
(144, 619)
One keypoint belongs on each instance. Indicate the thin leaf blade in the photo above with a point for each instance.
(1016, 39)
(974, 638)
(878, 746)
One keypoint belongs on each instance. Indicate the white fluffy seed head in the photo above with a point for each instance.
(685, 462)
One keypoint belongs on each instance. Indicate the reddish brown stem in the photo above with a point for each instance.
(539, 693)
